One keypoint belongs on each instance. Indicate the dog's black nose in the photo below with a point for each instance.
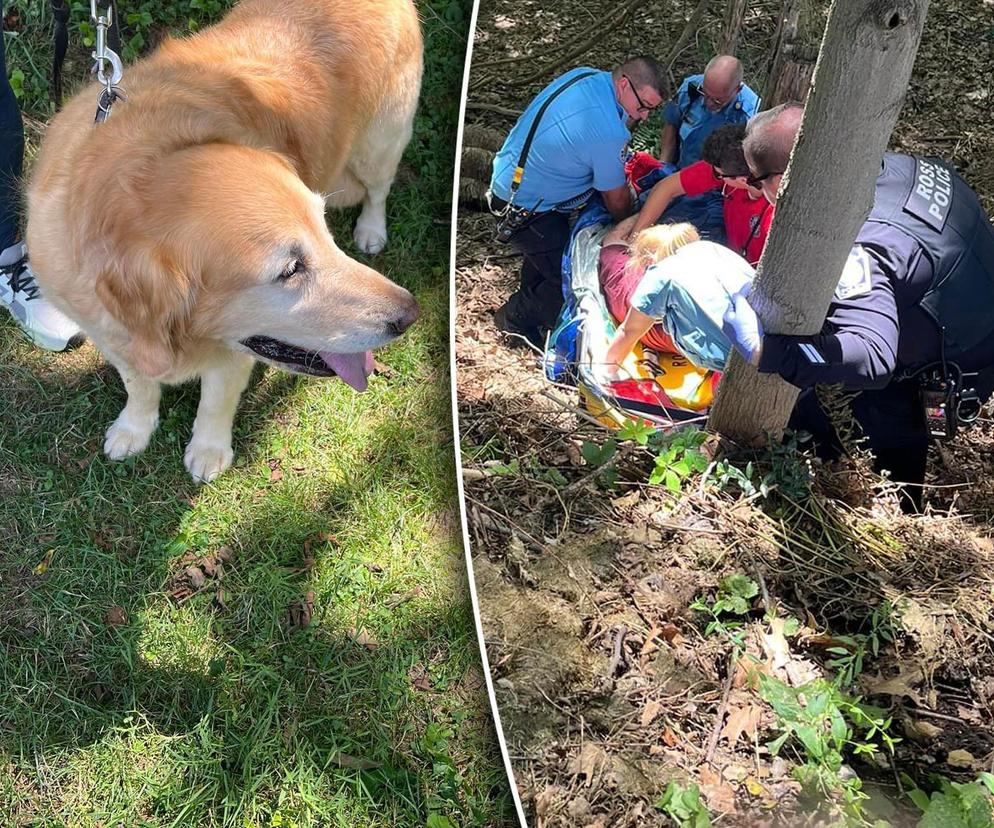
(407, 318)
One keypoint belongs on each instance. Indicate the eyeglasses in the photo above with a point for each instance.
(697, 90)
(642, 105)
(720, 176)
(756, 180)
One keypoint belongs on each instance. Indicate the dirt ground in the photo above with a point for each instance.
(607, 683)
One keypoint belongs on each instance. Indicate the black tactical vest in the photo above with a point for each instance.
(926, 199)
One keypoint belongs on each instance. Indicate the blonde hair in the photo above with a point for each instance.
(659, 241)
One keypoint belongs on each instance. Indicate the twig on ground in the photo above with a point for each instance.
(720, 718)
(618, 657)
(510, 523)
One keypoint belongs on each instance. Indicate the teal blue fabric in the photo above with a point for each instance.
(689, 292)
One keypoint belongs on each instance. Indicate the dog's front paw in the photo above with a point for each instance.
(370, 237)
(207, 461)
(126, 438)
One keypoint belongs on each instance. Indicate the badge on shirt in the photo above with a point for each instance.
(855, 280)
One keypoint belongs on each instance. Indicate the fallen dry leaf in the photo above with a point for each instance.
(741, 720)
(346, 760)
(719, 795)
(44, 563)
(900, 685)
(960, 759)
(670, 738)
(301, 612)
(418, 676)
(195, 576)
(588, 762)
(364, 638)
(649, 712)
(115, 617)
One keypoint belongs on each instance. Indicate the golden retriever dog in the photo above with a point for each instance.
(186, 234)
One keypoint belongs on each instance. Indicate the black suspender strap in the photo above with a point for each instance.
(519, 170)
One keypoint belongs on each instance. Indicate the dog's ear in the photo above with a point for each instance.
(152, 296)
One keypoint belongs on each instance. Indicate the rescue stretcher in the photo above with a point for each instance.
(663, 389)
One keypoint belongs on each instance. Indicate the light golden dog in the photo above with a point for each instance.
(186, 234)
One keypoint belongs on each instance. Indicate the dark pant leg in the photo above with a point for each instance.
(537, 302)
(11, 155)
(894, 423)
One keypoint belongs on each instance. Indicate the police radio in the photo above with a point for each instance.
(938, 391)
(949, 399)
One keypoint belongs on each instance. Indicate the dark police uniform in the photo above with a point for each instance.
(917, 291)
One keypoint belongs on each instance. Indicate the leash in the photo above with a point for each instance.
(107, 64)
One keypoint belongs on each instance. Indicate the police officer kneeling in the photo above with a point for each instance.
(911, 324)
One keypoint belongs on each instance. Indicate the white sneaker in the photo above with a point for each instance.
(46, 326)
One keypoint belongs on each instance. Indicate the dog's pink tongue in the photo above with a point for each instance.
(352, 368)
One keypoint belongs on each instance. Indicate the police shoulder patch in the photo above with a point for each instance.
(856, 279)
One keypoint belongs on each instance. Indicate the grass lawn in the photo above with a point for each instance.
(326, 671)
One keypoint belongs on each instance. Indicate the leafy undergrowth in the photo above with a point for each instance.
(681, 636)
(292, 644)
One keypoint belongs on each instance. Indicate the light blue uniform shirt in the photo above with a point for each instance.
(579, 146)
(695, 123)
(689, 292)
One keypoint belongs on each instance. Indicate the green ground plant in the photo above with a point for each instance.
(734, 594)
(329, 675)
(828, 724)
(956, 805)
(683, 805)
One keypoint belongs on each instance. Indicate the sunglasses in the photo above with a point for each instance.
(720, 176)
(756, 180)
(642, 105)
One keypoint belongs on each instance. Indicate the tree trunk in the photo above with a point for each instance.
(734, 16)
(786, 34)
(859, 84)
(793, 76)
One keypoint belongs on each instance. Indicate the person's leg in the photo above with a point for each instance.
(537, 302)
(39, 319)
(894, 423)
(11, 153)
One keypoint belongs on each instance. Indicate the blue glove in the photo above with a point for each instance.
(743, 328)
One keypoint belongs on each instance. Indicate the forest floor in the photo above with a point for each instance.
(640, 637)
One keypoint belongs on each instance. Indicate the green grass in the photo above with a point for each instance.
(204, 712)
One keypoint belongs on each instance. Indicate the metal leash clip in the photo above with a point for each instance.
(107, 62)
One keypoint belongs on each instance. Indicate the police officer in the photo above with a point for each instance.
(702, 104)
(569, 143)
(911, 324)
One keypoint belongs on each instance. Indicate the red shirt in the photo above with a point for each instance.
(747, 219)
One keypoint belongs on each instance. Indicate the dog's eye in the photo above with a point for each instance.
(291, 270)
